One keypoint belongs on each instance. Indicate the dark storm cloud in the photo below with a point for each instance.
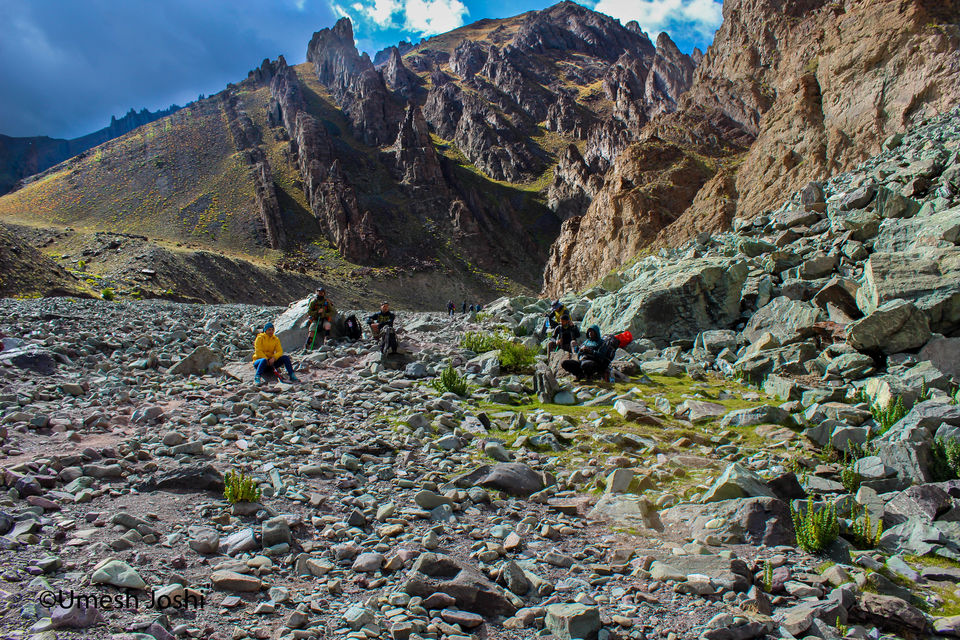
(66, 66)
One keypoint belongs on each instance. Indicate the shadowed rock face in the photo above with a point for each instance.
(792, 92)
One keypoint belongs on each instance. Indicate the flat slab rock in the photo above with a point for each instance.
(732, 574)
(753, 520)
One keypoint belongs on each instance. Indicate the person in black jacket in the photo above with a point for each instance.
(565, 335)
(381, 325)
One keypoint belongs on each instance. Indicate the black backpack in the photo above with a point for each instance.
(353, 328)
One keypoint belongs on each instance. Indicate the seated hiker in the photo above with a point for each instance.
(321, 313)
(565, 335)
(381, 325)
(267, 354)
(353, 330)
(553, 315)
(591, 356)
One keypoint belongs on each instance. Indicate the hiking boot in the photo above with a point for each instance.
(294, 378)
(257, 380)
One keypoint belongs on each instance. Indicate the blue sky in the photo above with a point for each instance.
(66, 66)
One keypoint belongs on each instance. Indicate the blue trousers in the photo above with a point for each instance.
(263, 368)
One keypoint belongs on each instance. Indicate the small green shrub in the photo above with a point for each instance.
(81, 265)
(107, 294)
(956, 396)
(240, 488)
(862, 530)
(888, 416)
(450, 380)
(815, 530)
(478, 342)
(767, 576)
(849, 477)
(945, 463)
(515, 357)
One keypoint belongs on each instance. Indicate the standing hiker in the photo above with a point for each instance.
(321, 314)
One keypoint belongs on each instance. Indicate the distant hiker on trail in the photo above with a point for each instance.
(553, 315)
(267, 354)
(451, 308)
(321, 313)
(472, 309)
(381, 325)
(565, 335)
(463, 309)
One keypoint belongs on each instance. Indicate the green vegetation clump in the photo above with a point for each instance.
(108, 294)
(514, 357)
(862, 530)
(816, 530)
(240, 487)
(767, 576)
(946, 459)
(849, 477)
(888, 416)
(450, 380)
(478, 342)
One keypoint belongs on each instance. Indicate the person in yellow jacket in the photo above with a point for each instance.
(267, 354)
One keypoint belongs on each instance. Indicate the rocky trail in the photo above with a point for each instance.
(779, 456)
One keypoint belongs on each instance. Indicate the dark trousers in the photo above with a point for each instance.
(263, 368)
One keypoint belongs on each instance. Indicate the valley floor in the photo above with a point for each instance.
(374, 520)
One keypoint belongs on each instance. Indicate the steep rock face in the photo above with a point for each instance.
(415, 157)
(333, 200)
(789, 92)
(574, 186)
(356, 85)
(397, 77)
(851, 79)
(638, 199)
(484, 135)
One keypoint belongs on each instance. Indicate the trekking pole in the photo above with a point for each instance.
(313, 341)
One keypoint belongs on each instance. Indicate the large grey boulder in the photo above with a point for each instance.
(749, 520)
(573, 621)
(784, 318)
(906, 446)
(893, 327)
(940, 229)
(674, 301)
(737, 482)
(625, 510)
(291, 327)
(437, 573)
(944, 354)
(929, 278)
(201, 360)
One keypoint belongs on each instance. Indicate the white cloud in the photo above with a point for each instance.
(381, 13)
(654, 16)
(430, 17)
(423, 17)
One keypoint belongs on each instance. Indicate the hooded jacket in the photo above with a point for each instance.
(593, 345)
